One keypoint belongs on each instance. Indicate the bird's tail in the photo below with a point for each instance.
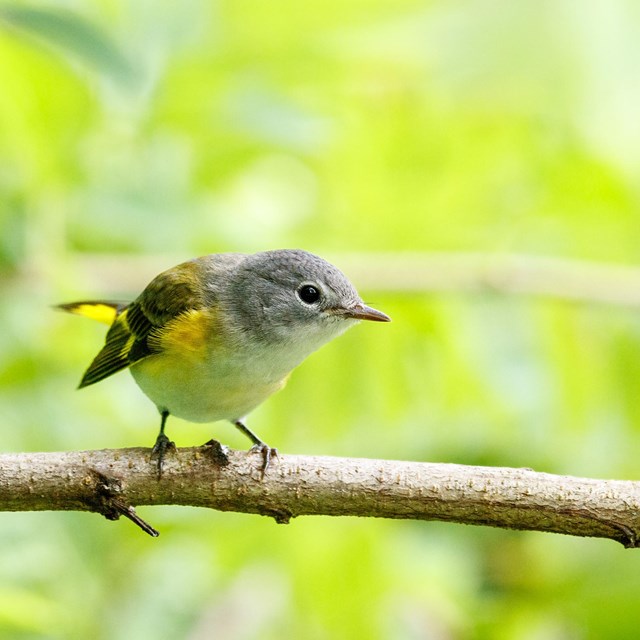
(100, 310)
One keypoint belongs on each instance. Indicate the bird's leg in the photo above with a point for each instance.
(163, 444)
(258, 446)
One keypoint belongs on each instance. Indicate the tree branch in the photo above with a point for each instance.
(435, 272)
(110, 481)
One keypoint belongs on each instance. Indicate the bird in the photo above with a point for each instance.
(213, 337)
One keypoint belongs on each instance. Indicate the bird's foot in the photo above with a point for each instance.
(217, 452)
(267, 454)
(160, 448)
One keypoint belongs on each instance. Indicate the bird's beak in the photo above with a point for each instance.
(362, 312)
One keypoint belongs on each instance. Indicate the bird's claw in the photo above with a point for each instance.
(267, 453)
(160, 448)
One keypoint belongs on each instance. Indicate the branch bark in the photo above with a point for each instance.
(111, 481)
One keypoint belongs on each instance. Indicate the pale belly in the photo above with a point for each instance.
(200, 391)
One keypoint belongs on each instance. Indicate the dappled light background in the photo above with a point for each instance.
(137, 134)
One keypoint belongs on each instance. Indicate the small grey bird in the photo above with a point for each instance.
(212, 338)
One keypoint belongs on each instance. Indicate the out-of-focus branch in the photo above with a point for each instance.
(111, 481)
(416, 273)
(574, 280)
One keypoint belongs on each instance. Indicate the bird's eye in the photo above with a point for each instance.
(309, 294)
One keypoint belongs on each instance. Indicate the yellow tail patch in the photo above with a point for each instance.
(105, 312)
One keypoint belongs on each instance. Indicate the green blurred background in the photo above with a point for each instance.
(137, 134)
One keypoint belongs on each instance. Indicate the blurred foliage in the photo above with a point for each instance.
(131, 128)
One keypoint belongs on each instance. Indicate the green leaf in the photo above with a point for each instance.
(74, 34)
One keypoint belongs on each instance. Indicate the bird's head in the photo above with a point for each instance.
(294, 296)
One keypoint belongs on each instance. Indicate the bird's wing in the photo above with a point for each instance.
(135, 330)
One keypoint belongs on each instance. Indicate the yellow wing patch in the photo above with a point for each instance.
(190, 331)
